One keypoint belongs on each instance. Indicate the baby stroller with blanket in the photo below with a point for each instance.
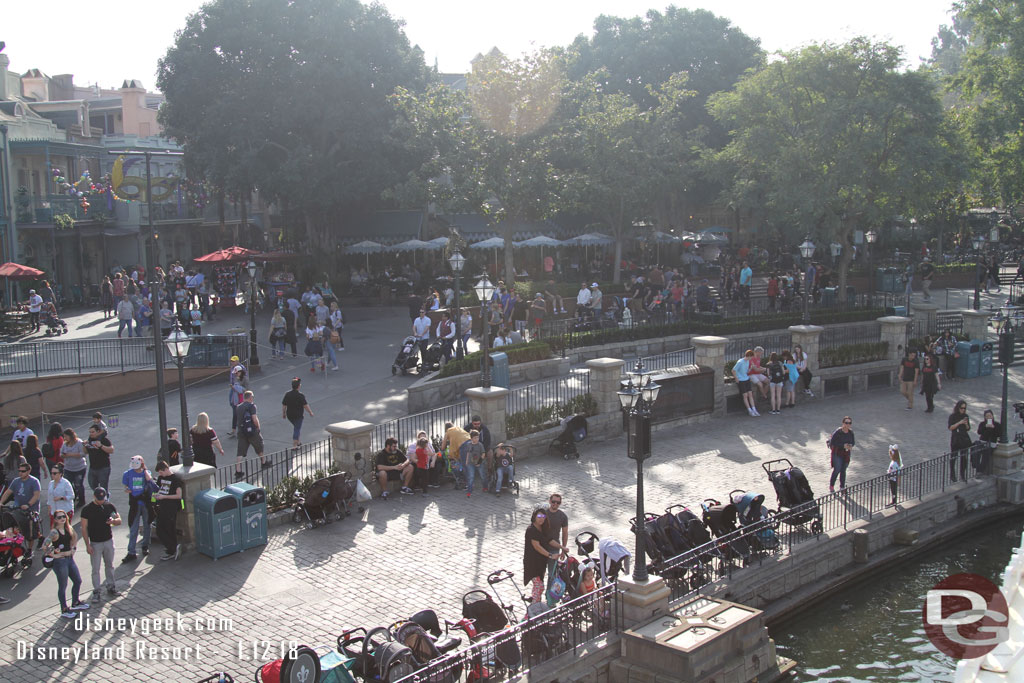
(751, 513)
(574, 430)
(328, 496)
(433, 357)
(408, 357)
(13, 547)
(55, 326)
(376, 655)
(794, 494)
(721, 520)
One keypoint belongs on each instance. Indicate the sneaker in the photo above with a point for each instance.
(312, 369)
(239, 475)
(266, 465)
(434, 486)
(831, 489)
(908, 408)
(96, 595)
(231, 434)
(469, 494)
(756, 414)
(130, 557)
(497, 494)
(166, 556)
(113, 592)
(79, 606)
(69, 614)
(145, 550)
(177, 552)
(405, 491)
(750, 412)
(336, 368)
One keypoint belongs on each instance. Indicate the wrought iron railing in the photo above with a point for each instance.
(835, 336)
(559, 390)
(664, 361)
(531, 642)
(772, 343)
(291, 462)
(431, 421)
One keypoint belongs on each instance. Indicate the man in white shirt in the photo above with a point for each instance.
(583, 298)
(22, 432)
(35, 303)
(421, 330)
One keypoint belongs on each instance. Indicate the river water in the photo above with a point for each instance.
(872, 631)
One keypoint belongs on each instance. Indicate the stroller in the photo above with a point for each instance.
(55, 326)
(574, 430)
(492, 472)
(721, 520)
(543, 640)
(433, 357)
(330, 495)
(752, 513)
(408, 357)
(375, 655)
(794, 493)
(485, 618)
(12, 545)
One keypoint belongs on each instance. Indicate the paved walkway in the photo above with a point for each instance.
(414, 552)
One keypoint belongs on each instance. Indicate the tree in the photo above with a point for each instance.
(833, 139)
(290, 96)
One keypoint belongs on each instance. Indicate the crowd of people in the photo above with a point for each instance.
(178, 294)
(775, 379)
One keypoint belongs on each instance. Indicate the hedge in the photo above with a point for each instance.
(517, 353)
(537, 419)
(852, 354)
(282, 495)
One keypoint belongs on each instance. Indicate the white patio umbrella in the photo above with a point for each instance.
(706, 237)
(494, 243)
(413, 245)
(439, 241)
(540, 241)
(365, 247)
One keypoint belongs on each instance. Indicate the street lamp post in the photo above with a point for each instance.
(178, 343)
(1006, 352)
(978, 242)
(253, 357)
(871, 237)
(457, 262)
(807, 252)
(637, 397)
(484, 290)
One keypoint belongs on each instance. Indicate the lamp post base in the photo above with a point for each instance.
(642, 600)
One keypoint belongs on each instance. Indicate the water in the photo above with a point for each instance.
(873, 632)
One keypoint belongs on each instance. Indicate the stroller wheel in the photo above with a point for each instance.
(394, 370)
(816, 527)
(296, 516)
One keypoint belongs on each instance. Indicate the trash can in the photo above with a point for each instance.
(888, 280)
(968, 364)
(896, 310)
(851, 295)
(985, 355)
(252, 501)
(501, 376)
(828, 297)
(218, 525)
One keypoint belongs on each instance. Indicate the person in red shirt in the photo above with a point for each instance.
(424, 463)
(773, 290)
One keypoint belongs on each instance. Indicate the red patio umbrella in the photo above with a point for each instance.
(228, 255)
(16, 271)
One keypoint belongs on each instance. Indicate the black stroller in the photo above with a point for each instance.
(433, 357)
(408, 357)
(377, 655)
(331, 495)
(721, 520)
(483, 618)
(794, 494)
(55, 326)
(574, 430)
(13, 546)
(752, 514)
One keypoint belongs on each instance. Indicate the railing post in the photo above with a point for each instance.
(871, 503)
(78, 348)
(120, 347)
(35, 356)
(920, 482)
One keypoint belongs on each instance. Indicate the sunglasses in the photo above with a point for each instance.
(54, 471)
(24, 469)
(554, 502)
(542, 516)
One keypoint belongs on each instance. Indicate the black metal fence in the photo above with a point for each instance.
(559, 390)
(700, 567)
(38, 359)
(949, 320)
(291, 462)
(432, 422)
(514, 651)
(664, 361)
(772, 343)
(835, 336)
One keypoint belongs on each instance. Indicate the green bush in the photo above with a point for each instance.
(537, 419)
(281, 496)
(851, 354)
(517, 353)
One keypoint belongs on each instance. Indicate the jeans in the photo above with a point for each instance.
(102, 552)
(504, 475)
(141, 518)
(99, 477)
(961, 457)
(121, 324)
(839, 465)
(77, 481)
(472, 472)
(296, 426)
(65, 568)
(278, 350)
(331, 355)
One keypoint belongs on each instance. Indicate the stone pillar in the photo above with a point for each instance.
(894, 331)
(975, 325)
(1006, 459)
(350, 446)
(807, 337)
(709, 352)
(924, 317)
(489, 404)
(643, 600)
(605, 378)
(197, 478)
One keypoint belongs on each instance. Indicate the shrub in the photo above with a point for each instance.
(851, 354)
(517, 353)
(281, 496)
(537, 419)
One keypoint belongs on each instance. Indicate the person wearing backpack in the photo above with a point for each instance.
(140, 486)
(248, 434)
(776, 378)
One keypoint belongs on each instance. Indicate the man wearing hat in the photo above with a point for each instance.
(35, 304)
(596, 298)
(98, 518)
(927, 273)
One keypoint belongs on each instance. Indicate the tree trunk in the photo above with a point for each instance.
(845, 239)
(617, 231)
(510, 273)
(243, 223)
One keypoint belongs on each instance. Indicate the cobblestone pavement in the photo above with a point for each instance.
(420, 551)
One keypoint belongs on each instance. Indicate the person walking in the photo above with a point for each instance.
(60, 546)
(910, 372)
(927, 271)
(204, 440)
(930, 381)
(558, 532)
(35, 304)
(446, 333)
(895, 465)
(314, 344)
(841, 444)
(236, 391)
(989, 431)
(139, 485)
(278, 332)
(290, 337)
(107, 297)
(125, 315)
(97, 519)
(421, 331)
(248, 434)
(292, 406)
(959, 425)
(73, 455)
(168, 502)
(472, 456)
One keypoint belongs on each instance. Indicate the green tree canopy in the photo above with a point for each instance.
(290, 96)
(833, 139)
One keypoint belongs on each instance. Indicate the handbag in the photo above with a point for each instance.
(335, 337)
(363, 494)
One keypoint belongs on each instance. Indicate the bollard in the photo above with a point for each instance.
(860, 546)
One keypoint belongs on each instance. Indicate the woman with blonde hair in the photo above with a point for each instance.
(204, 440)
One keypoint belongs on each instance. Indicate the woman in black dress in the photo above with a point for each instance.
(537, 552)
(989, 432)
(959, 439)
(930, 382)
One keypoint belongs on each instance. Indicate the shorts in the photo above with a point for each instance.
(394, 475)
(744, 386)
(788, 386)
(775, 384)
(758, 379)
(244, 441)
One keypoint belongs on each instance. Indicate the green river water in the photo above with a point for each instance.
(872, 631)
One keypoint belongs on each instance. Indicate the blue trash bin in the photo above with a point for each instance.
(218, 524)
(501, 375)
(985, 357)
(969, 362)
(252, 502)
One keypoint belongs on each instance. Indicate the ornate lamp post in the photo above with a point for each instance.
(807, 252)
(871, 237)
(253, 357)
(978, 242)
(484, 290)
(1006, 352)
(457, 262)
(178, 343)
(637, 396)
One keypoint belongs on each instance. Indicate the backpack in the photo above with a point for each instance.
(248, 426)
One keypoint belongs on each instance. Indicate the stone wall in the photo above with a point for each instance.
(427, 392)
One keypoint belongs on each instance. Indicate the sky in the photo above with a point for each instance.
(115, 40)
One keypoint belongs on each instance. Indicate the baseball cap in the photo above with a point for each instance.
(538, 295)
(595, 285)
(234, 359)
(100, 493)
(31, 291)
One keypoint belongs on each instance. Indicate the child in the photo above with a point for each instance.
(776, 377)
(793, 376)
(97, 419)
(895, 465)
(588, 582)
(424, 463)
(173, 446)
